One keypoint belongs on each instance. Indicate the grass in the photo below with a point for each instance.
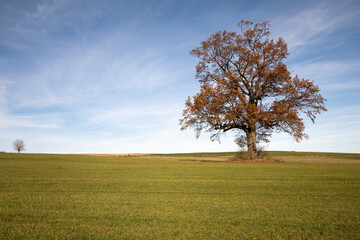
(179, 196)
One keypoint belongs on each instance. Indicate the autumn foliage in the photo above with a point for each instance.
(246, 87)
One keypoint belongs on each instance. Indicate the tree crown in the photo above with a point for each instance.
(19, 145)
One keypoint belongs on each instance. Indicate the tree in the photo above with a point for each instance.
(246, 87)
(19, 145)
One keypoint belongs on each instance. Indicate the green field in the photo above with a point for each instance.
(179, 196)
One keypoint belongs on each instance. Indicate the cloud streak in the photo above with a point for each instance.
(317, 25)
(331, 75)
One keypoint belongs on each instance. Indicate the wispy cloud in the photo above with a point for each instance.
(45, 9)
(334, 131)
(331, 75)
(314, 25)
(92, 71)
(134, 115)
(33, 122)
(12, 120)
(326, 69)
(4, 84)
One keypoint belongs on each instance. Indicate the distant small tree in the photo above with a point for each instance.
(19, 145)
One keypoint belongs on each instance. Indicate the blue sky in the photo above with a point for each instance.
(86, 76)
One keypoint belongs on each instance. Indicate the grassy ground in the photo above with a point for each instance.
(181, 196)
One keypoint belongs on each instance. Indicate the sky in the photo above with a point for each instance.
(86, 76)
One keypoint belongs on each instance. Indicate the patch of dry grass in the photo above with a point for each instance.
(268, 157)
(312, 157)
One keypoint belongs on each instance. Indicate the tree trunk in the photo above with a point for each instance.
(251, 138)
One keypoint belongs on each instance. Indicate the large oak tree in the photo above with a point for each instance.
(246, 87)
